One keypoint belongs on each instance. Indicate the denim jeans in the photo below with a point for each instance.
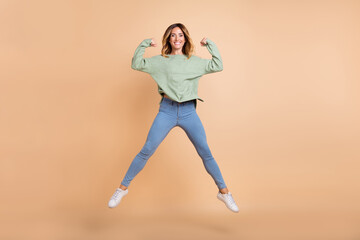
(170, 115)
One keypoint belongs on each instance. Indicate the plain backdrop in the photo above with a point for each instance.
(282, 121)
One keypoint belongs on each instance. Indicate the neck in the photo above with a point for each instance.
(176, 52)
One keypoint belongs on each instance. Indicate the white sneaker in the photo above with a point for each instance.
(116, 197)
(228, 200)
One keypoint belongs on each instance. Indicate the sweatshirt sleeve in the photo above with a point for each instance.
(138, 62)
(215, 64)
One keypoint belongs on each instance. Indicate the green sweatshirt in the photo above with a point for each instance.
(177, 76)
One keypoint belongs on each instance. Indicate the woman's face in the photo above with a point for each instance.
(177, 39)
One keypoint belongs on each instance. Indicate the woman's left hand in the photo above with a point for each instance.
(203, 42)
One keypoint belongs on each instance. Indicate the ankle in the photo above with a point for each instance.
(224, 190)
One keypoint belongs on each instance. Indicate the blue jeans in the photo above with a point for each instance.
(170, 115)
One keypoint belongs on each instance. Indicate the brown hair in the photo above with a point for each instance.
(188, 48)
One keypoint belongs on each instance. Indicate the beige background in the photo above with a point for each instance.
(282, 121)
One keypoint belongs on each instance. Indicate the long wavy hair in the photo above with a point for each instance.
(188, 48)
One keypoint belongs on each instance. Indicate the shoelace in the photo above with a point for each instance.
(116, 194)
(230, 199)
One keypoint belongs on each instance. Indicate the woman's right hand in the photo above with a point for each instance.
(153, 43)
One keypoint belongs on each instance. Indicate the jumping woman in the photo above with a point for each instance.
(177, 72)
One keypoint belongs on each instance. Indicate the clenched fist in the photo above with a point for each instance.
(203, 42)
(153, 43)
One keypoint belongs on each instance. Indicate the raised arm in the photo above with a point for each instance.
(215, 64)
(138, 62)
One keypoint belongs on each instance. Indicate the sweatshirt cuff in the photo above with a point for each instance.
(147, 41)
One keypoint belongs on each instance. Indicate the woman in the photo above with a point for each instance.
(177, 72)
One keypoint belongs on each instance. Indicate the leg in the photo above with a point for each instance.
(161, 126)
(196, 133)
